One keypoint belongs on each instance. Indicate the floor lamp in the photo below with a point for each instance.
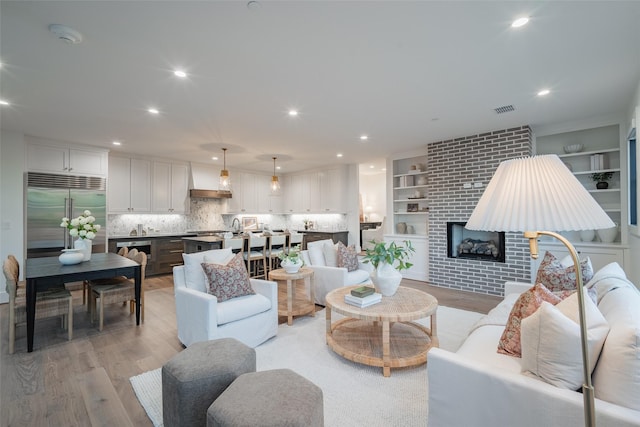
(540, 193)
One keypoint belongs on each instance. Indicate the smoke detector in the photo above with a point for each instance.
(66, 34)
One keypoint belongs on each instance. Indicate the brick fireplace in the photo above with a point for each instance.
(459, 170)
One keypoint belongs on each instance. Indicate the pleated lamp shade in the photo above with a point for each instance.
(536, 193)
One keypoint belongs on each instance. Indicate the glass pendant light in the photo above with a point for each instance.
(225, 179)
(275, 183)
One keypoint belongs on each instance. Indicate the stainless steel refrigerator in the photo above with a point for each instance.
(51, 197)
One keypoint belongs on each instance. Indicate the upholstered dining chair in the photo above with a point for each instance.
(255, 256)
(49, 303)
(276, 247)
(118, 290)
(295, 241)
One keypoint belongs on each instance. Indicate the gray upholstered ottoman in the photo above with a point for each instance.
(277, 398)
(195, 377)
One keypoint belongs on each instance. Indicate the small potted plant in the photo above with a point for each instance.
(601, 179)
(386, 277)
(291, 260)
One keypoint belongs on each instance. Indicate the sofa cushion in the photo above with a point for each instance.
(241, 308)
(330, 252)
(356, 277)
(526, 305)
(347, 257)
(228, 281)
(616, 377)
(558, 277)
(551, 341)
(193, 272)
(316, 256)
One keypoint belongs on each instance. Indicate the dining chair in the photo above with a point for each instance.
(236, 244)
(256, 255)
(118, 290)
(276, 247)
(49, 303)
(85, 284)
(295, 241)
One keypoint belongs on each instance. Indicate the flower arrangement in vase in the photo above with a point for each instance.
(291, 260)
(84, 228)
(385, 277)
(601, 179)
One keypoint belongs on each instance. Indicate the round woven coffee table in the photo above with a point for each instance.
(383, 334)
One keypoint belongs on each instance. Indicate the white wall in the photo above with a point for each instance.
(11, 199)
(373, 193)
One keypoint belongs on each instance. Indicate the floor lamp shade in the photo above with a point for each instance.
(536, 193)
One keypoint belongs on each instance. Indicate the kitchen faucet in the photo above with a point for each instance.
(235, 224)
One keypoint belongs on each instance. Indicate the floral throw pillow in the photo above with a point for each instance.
(557, 277)
(525, 306)
(347, 257)
(228, 281)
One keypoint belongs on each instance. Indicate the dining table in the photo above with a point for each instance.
(47, 272)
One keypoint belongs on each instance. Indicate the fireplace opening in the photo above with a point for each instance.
(472, 244)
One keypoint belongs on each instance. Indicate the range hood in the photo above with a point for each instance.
(204, 183)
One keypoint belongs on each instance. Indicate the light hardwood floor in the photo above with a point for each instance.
(85, 382)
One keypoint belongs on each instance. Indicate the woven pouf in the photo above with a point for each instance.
(279, 398)
(195, 377)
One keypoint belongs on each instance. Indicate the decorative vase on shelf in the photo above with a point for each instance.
(608, 235)
(602, 185)
(587, 235)
(84, 245)
(386, 279)
(401, 228)
(291, 267)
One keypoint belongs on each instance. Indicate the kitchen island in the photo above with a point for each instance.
(201, 243)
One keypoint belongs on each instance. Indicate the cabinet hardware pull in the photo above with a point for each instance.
(176, 251)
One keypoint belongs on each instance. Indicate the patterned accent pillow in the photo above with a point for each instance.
(228, 281)
(525, 306)
(347, 257)
(557, 277)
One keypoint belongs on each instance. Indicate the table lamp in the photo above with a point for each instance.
(539, 193)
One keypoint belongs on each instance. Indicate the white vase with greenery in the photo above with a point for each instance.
(386, 276)
(290, 261)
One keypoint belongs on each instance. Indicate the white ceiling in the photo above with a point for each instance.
(404, 73)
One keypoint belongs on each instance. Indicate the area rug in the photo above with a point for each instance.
(354, 394)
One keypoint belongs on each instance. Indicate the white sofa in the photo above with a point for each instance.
(251, 319)
(476, 386)
(321, 257)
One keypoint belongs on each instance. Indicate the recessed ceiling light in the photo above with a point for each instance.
(544, 92)
(3, 102)
(293, 113)
(153, 111)
(116, 143)
(520, 22)
(339, 155)
(214, 158)
(180, 73)
(364, 137)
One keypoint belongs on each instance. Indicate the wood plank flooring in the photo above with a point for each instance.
(85, 382)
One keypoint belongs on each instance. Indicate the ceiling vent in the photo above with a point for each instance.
(504, 109)
(66, 34)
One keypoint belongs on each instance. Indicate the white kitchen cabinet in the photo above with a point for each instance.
(420, 258)
(268, 203)
(129, 185)
(600, 254)
(170, 187)
(331, 185)
(61, 159)
(302, 194)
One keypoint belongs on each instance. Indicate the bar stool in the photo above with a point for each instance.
(276, 247)
(236, 245)
(295, 241)
(255, 253)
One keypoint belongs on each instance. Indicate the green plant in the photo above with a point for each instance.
(389, 253)
(601, 176)
(292, 256)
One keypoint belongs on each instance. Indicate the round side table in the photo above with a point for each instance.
(295, 304)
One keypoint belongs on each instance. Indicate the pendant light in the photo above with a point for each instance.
(275, 184)
(225, 180)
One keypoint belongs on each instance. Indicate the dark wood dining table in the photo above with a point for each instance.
(47, 272)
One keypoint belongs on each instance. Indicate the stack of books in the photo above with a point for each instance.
(363, 296)
(598, 162)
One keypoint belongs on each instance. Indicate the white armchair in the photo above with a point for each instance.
(375, 234)
(251, 319)
(321, 257)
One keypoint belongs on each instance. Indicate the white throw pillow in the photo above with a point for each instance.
(193, 272)
(316, 256)
(330, 252)
(551, 345)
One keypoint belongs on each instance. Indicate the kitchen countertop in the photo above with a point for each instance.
(204, 239)
(150, 236)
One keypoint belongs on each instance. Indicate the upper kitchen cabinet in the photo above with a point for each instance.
(170, 187)
(66, 160)
(129, 185)
(302, 193)
(332, 184)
